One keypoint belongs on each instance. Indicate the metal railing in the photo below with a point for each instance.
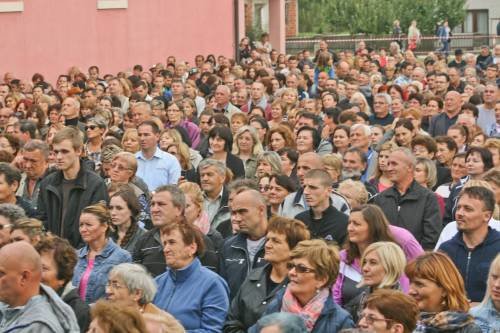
(466, 42)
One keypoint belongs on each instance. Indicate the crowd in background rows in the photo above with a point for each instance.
(313, 192)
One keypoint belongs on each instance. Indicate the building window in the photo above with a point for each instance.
(476, 21)
(11, 6)
(112, 4)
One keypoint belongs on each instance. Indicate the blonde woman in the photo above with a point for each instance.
(382, 265)
(247, 147)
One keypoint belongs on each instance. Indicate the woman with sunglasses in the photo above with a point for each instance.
(438, 288)
(263, 283)
(312, 268)
(95, 129)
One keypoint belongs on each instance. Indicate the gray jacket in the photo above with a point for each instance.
(294, 204)
(44, 313)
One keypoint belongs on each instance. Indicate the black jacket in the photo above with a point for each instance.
(251, 300)
(89, 189)
(235, 264)
(81, 309)
(235, 164)
(149, 253)
(417, 211)
(331, 227)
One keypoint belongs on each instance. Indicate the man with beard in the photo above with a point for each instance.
(353, 167)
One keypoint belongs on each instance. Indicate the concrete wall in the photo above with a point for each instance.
(49, 36)
(493, 7)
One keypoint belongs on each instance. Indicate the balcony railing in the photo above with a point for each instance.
(466, 42)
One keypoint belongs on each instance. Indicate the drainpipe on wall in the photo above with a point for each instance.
(236, 30)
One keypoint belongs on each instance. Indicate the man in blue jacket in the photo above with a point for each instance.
(476, 244)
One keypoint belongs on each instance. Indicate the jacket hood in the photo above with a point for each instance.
(62, 311)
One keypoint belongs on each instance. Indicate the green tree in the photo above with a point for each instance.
(376, 16)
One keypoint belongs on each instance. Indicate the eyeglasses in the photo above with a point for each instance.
(299, 268)
(5, 226)
(370, 319)
(113, 285)
(90, 127)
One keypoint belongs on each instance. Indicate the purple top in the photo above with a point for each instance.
(409, 245)
(192, 130)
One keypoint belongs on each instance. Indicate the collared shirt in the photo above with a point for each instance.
(161, 169)
(212, 206)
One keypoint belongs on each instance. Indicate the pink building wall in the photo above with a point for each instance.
(52, 35)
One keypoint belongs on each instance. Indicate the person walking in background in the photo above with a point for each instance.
(397, 33)
(414, 36)
(444, 34)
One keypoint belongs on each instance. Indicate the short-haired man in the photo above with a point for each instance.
(407, 204)
(295, 202)
(26, 305)
(64, 193)
(167, 207)
(322, 219)
(215, 194)
(245, 250)
(441, 122)
(441, 84)
(9, 182)
(35, 159)
(389, 311)
(486, 117)
(155, 166)
(141, 112)
(258, 98)
(223, 104)
(476, 244)
(381, 106)
(71, 111)
(360, 136)
(9, 214)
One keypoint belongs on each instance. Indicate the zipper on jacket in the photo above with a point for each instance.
(469, 255)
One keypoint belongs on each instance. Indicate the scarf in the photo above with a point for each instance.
(310, 312)
(203, 223)
(443, 321)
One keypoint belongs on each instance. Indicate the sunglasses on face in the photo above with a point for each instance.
(90, 127)
(299, 268)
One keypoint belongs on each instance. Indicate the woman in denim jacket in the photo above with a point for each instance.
(487, 314)
(98, 256)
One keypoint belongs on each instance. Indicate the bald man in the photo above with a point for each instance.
(245, 250)
(407, 204)
(27, 305)
(441, 122)
(295, 202)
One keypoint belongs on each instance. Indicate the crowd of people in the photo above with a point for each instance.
(314, 192)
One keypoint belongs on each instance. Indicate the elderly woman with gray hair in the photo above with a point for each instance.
(131, 283)
(268, 162)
